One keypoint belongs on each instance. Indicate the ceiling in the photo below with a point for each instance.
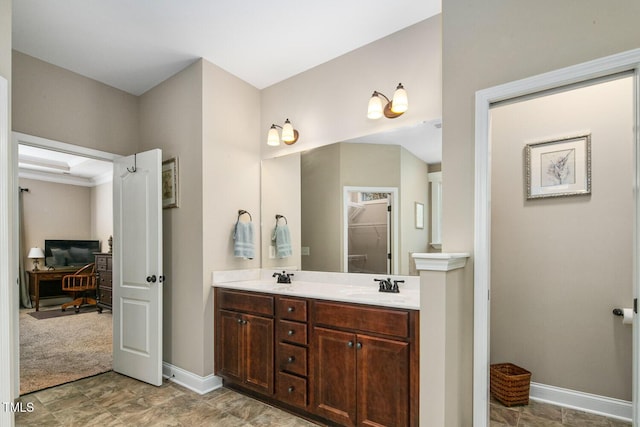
(63, 168)
(134, 45)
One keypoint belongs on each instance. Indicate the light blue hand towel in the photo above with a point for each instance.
(243, 246)
(282, 239)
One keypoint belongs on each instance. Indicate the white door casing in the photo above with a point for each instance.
(137, 266)
(623, 62)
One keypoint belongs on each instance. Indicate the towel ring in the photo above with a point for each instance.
(242, 212)
(278, 217)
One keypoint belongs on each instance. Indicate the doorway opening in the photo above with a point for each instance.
(605, 67)
(370, 230)
(66, 193)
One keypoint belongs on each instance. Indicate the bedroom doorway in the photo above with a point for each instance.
(66, 193)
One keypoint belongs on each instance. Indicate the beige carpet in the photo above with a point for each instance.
(63, 349)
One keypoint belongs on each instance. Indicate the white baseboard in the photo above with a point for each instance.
(200, 385)
(607, 406)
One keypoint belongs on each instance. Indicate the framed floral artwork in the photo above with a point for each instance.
(170, 183)
(558, 168)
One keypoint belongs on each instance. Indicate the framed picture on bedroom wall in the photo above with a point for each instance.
(559, 167)
(170, 183)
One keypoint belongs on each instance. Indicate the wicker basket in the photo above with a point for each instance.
(510, 384)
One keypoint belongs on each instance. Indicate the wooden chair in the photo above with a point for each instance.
(80, 283)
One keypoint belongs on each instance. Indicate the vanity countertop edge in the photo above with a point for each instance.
(341, 287)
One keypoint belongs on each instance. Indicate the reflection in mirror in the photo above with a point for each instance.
(369, 228)
(400, 159)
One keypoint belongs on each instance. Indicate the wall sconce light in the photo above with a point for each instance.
(394, 108)
(35, 254)
(289, 134)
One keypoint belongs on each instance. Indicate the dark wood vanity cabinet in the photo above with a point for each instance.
(349, 364)
(365, 365)
(104, 275)
(244, 339)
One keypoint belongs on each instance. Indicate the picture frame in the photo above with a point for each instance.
(170, 183)
(419, 215)
(558, 167)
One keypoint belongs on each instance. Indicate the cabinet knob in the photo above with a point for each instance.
(240, 321)
(350, 344)
(290, 309)
(291, 359)
(290, 389)
(290, 332)
(359, 345)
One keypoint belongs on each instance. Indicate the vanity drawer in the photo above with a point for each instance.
(366, 319)
(292, 358)
(292, 331)
(292, 389)
(246, 302)
(292, 309)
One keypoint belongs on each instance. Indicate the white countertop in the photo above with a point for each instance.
(359, 293)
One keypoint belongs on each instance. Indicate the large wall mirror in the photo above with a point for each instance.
(352, 206)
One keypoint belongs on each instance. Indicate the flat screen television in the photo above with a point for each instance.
(70, 253)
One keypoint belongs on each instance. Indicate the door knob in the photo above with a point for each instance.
(151, 279)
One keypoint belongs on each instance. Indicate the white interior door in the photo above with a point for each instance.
(137, 267)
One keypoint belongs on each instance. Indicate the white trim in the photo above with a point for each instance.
(63, 147)
(440, 261)
(626, 61)
(8, 271)
(395, 207)
(586, 402)
(193, 382)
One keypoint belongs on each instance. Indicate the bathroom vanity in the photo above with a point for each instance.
(340, 353)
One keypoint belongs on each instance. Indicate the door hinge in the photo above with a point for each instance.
(389, 208)
(635, 305)
(389, 256)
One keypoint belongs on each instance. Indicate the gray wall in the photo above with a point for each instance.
(486, 44)
(560, 265)
(57, 104)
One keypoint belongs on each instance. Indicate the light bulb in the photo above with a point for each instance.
(287, 132)
(273, 138)
(375, 107)
(400, 102)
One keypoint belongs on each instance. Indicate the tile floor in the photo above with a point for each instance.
(545, 415)
(112, 400)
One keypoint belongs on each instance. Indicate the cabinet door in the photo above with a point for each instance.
(335, 376)
(258, 357)
(229, 346)
(383, 382)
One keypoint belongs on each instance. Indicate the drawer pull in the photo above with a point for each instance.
(291, 389)
(239, 321)
(291, 332)
(291, 359)
(359, 345)
(290, 309)
(350, 344)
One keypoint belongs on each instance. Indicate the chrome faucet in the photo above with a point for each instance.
(283, 277)
(388, 285)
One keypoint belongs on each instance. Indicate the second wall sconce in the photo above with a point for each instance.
(393, 108)
(289, 134)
